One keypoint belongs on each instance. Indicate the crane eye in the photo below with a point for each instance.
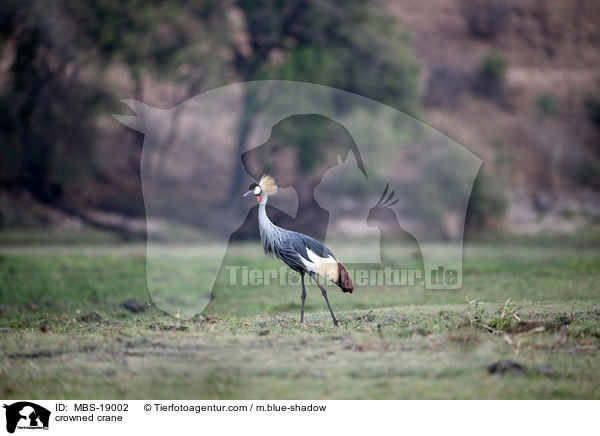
(257, 190)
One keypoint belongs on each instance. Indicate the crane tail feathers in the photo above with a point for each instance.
(344, 281)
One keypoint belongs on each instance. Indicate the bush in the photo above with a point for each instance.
(490, 77)
(546, 103)
(493, 67)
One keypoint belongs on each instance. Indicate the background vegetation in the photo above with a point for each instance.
(65, 65)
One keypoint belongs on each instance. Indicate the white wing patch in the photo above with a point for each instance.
(324, 266)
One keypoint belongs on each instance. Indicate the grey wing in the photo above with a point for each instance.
(285, 251)
(300, 243)
(293, 247)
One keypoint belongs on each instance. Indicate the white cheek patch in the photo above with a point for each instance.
(257, 190)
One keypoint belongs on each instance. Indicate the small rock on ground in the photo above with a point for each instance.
(132, 306)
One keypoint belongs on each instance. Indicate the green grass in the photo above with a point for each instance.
(392, 343)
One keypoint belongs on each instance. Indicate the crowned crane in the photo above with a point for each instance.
(301, 253)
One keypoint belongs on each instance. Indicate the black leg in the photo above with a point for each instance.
(324, 292)
(303, 296)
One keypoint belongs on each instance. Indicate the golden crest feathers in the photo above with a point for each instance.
(268, 185)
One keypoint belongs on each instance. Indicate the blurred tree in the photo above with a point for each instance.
(182, 40)
(45, 131)
(347, 44)
(54, 85)
(186, 42)
(55, 55)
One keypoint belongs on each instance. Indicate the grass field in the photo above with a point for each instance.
(63, 333)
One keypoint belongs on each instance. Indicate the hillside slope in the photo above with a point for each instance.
(534, 133)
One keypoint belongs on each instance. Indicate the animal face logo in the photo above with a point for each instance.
(353, 173)
(26, 415)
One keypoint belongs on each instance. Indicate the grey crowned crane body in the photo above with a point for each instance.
(300, 252)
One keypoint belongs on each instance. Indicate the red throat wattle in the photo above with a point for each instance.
(258, 198)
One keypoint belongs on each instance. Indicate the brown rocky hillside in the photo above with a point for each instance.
(534, 134)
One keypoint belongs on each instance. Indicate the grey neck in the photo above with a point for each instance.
(269, 232)
(264, 223)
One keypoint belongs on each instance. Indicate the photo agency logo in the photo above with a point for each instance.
(385, 192)
(383, 276)
(25, 415)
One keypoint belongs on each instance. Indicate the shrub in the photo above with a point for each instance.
(489, 81)
(493, 67)
(546, 103)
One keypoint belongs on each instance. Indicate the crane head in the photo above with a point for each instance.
(254, 189)
(266, 185)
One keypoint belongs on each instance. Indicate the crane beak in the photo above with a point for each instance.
(248, 193)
